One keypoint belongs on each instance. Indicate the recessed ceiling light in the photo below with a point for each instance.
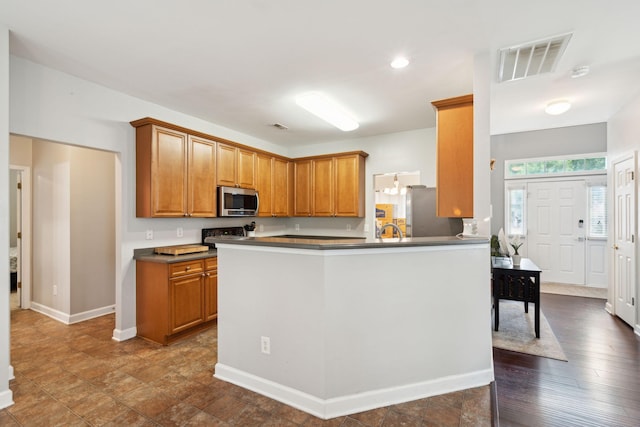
(557, 107)
(318, 104)
(400, 62)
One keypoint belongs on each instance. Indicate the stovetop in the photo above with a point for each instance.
(219, 232)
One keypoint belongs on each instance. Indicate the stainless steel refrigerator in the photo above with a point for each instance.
(421, 214)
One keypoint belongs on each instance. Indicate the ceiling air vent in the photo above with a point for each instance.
(530, 59)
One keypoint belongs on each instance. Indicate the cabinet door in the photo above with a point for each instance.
(211, 291)
(226, 165)
(349, 186)
(322, 184)
(302, 191)
(454, 172)
(281, 194)
(246, 168)
(202, 178)
(264, 184)
(187, 302)
(168, 173)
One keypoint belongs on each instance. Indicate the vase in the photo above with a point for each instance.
(515, 259)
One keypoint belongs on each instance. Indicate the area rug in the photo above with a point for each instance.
(517, 332)
(573, 290)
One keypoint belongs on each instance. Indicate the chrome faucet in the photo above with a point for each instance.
(392, 225)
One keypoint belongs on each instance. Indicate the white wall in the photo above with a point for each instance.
(623, 137)
(6, 371)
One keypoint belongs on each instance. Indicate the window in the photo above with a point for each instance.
(515, 196)
(585, 164)
(597, 199)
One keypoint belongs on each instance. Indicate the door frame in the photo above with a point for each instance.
(25, 241)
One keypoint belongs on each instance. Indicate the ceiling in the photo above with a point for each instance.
(240, 63)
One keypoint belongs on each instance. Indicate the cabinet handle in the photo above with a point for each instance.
(188, 267)
(186, 214)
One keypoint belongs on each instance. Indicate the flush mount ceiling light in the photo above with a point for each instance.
(399, 62)
(318, 104)
(557, 107)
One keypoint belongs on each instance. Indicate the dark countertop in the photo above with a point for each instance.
(148, 254)
(322, 243)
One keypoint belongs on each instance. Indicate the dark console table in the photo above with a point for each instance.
(517, 283)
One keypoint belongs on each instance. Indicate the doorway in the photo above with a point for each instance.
(20, 236)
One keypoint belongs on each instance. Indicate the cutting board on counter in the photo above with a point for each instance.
(181, 249)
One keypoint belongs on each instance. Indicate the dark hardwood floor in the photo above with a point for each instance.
(598, 386)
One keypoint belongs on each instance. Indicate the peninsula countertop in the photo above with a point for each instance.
(333, 243)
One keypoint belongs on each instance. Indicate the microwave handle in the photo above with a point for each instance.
(257, 203)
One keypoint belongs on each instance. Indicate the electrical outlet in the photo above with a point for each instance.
(297, 227)
(366, 227)
(348, 227)
(265, 345)
(261, 228)
(179, 232)
(55, 290)
(149, 235)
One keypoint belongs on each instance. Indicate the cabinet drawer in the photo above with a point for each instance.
(187, 267)
(211, 263)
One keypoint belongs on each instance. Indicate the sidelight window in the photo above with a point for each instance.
(515, 209)
(597, 199)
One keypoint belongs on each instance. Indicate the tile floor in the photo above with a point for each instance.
(78, 376)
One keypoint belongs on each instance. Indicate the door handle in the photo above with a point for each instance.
(580, 239)
(615, 247)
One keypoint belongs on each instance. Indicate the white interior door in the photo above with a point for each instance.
(624, 239)
(556, 229)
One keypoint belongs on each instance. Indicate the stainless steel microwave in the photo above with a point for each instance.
(234, 201)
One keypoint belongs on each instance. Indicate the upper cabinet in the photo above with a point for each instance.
(175, 173)
(454, 163)
(330, 185)
(272, 183)
(178, 171)
(236, 167)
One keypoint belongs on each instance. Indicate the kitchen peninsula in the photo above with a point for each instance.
(338, 326)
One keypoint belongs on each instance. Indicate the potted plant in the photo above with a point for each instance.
(516, 243)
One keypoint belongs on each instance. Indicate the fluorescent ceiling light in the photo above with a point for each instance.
(399, 62)
(557, 107)
(318, 104)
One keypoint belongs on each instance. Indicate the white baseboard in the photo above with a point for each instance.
(636, 329)
(124, 334)
(68, 319)
(345, 405)
(609, 308)
(11, 373)
(6, 399)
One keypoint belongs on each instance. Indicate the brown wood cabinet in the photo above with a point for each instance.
(302, 188)
(272, 183)
(236, 167)
(175, 173)
(454, 163)
(330, 185)
(173, 300)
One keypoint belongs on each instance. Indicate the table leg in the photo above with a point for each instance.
(496, 312)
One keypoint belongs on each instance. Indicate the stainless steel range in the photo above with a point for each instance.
(229, 232)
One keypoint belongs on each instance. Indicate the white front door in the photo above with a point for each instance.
(624, 239)
(557, 229)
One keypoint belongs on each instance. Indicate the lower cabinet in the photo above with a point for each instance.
(173, 300)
